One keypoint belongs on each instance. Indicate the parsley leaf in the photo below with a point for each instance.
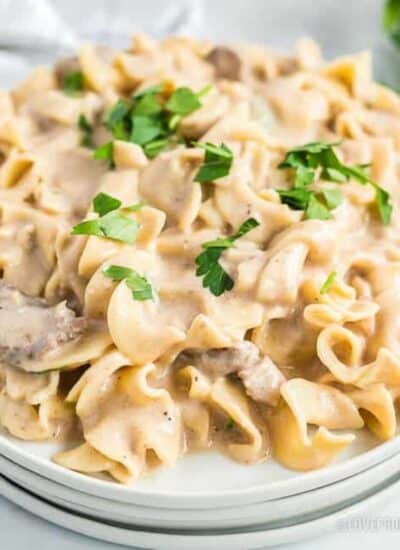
(114, 119)
(88, 227)
(316, 210)
(305, 161)
(155, 147)
(246, 226)
(86, 131)
(328, 283)
(73, 83)
(145, 129)
(333, 197)
(157, 89)
(111, 223)
(105, 152)
(316, 204)
(104, 203)
(385, 208)
(183, 101)
(296, 198)
(217, 162)
(135, 207)
(118, 227)
(139, 285)
(147, 105)
(215, 277)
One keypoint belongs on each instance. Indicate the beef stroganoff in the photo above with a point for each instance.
(200, 247)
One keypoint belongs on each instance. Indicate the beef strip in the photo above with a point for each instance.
(260, 376)
(226, 63)
(262, 381)
(30, 328)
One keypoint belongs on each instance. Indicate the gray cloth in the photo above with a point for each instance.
(38, 31)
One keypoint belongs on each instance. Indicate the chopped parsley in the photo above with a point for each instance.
(156, 89)
(328, 283)
(149, 119)
(86, 131)
(104, 203)
(111, 222)
(317, 204)
(105, 152)
(139, 285)
(73, 83)
(215, 277)
(217, 162)
(152, 149)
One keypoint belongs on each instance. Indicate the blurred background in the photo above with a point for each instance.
(38, 31)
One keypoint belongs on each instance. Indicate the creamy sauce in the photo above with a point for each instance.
(248, 371)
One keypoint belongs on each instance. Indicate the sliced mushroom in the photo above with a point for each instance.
(226, 63)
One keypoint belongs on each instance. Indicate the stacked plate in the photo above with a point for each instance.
(205, 502)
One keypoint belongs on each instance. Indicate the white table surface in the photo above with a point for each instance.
(339, 30)
(20, 530)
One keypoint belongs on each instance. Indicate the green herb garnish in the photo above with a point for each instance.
(156, 89)
(328, 283)
(305, 161)
(104, 203)
(146, 129)
(111, 222)
(86, 131)
(316, 204)
(105, 152)
(217, 162)
(73, 83)
(155, 147)
(139, 285)
(149, 120)
(215, 277)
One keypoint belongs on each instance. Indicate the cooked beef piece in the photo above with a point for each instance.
(222, 361)
(226, 63)
(262, 381)
(260, 376)
(29, 327)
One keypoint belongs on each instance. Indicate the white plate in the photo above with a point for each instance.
(313, 503)
(165, 540)
(204, 480)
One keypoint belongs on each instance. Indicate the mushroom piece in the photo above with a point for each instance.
(226, 62)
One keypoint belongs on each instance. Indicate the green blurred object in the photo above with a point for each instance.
(391, 20)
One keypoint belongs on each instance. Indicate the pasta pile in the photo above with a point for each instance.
(226, 222)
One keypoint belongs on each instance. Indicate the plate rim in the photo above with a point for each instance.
(110, 490)
(332, 495)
